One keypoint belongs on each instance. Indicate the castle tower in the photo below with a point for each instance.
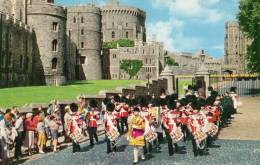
(122, 22)
(236, 44)
(49, 23)
(84, 29)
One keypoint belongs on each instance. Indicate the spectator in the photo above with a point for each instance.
(54, 132)
(8, 117)
(20, 135)
(67, 118)
(30, 128)
(41, 135)
(3, 140)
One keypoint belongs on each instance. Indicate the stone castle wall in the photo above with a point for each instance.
(236, 44)
(43, 16)
(17, 52)
(149, 53)
(84, 29)
(123, 22)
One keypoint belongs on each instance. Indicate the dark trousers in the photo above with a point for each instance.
(124, 123)
(18, 145)
(150, 148)
(75, 147)
(118, 125)
(109, 143)
(197, 151)
(160, 137)
(170, 146)
(92, 131)
(185, 132)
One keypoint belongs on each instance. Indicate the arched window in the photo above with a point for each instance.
(54, 45)
(113, 34)
(21, 61)
(82, 19)
(74, 20)
(54, 64)
(82, 32)
(126, 35)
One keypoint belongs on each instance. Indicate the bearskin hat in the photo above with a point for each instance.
(210, 100)
(174, 96)
(93, 103)
(110, 107)
(171, 104)
(106, 101)
(233, 89)
(142, 101)
(116, 98)
(195, 105)
(73, 107)
(162, 102)
(136, 109)
(191, 98)
(183, 102)
(123, 99)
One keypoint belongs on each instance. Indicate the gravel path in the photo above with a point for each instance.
(246, 124)
(229, 152)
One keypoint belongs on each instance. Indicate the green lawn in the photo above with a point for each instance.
(181, 84)
(43, 94)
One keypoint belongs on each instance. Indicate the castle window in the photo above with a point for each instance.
(143, 51)
(21, 61)
(54, 45)
(54, 64)
(26, 65)
(9, 59)
(50, 1)
(55, 26)
(114, 55)
(82, 45)
(82, 19)
(126, 35)
(82, 32)
(113, 24)
(150, 61)
(126, 24)
(82, 59)
(3, 59)
(113, 34)
(74, 20)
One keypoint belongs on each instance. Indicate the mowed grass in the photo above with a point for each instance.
(20, 96)
(182, 83)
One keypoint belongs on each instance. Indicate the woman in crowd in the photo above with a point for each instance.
(41, 135)
(54, 132)
(30, 128)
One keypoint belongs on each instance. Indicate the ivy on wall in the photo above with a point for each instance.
(120, 43)
(131, 67)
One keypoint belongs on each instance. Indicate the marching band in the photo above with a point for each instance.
(144, 119)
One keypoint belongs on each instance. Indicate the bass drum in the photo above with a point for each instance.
(176, 135)
(113, 134)
(150, 135)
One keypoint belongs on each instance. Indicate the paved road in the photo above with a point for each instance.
(230, 152)
(246, 124)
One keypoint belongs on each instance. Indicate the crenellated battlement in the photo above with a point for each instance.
(9, 18)
(123, 10)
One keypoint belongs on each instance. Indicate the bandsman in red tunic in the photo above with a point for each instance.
(110, 127)
(92, 117)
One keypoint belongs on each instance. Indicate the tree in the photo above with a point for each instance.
(171, 62)
(249, 22)
(131, 67)
(121, 43)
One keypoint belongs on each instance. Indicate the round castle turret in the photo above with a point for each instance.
(49, 23)
(84, 29)
(120, 22)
